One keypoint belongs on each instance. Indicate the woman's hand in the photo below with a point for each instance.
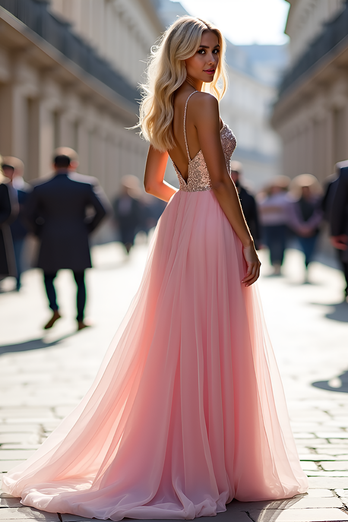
(253, 265)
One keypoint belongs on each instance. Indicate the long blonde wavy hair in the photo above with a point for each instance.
(166, 72)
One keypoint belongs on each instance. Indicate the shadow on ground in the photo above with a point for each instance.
(33, 344)
(338, 312)
(336, 384)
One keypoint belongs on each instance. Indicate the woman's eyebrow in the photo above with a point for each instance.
(207, 46)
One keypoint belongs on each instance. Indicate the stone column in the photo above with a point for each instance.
(49, 102)
(310, 147)
(328, 145)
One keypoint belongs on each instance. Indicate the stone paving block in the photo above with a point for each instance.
(298, 502)
(6, 465)
(327, 482)
(309, 415)
(321, 493)
(338, 423)
(15, 454)
(19, 428)
(4, 495)
(25, 513)
(29, 420)
(309, 466)
(330, 449)
(335, 466)
(19, 438)
(10, 502)
(318, 457)
(25, 413)
(343, 492)
(302, 435)
(63, 411)
(316, 502)
(20, 446)
(340, 442)
(299, 515)
(328, 474)
(312, 443)
(51, 425)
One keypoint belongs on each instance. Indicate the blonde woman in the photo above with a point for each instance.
(187, 411)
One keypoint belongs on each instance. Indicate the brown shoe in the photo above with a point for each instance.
(81, 325)
(56, 315)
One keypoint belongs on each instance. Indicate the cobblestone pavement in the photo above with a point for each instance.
(43, 375)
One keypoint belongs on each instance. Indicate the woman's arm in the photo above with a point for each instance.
(154, 175)
(205, 112)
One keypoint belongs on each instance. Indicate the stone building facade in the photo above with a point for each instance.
(246, 108)
(311, 114)
(69, 71)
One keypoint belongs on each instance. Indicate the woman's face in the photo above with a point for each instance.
(202, 65)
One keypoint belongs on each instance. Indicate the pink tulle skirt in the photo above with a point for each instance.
(187, 411)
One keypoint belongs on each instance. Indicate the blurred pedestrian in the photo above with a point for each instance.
(13, 169)
(57, 211)
(248, 203)
(305, 213)
(128, 211)
(151, 210)
(8, 212)
(339, 218)
(273, 207)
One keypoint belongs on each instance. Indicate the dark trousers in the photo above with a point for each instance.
(308, 247)
(342, 255)
(18, 245)
(275, 238)
(81, 292)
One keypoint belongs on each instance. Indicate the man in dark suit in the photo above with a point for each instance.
(57, 212)
(248, 203)
(339, 215)
(13, 169)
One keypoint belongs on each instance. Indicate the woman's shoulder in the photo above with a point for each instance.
(204, 108)
(205, 99)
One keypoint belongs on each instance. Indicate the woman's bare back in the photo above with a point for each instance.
(178, 154)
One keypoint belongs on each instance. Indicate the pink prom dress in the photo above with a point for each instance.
(187, 410)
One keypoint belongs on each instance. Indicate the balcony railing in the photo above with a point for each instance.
(34, 14)
(333, 33)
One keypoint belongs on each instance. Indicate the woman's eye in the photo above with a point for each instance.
(216, 51)
(201, 51)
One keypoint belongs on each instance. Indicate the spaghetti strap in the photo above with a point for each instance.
(187, 149)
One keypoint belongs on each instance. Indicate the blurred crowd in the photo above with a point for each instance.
(64, 208)
(293, 212)
(61, 211)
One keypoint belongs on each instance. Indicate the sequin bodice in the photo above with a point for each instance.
(198, 178)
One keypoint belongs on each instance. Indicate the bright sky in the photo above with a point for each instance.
(244, 21)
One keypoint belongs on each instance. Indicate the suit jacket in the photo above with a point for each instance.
(251, 214)
(8, 211)
(339, 207)
(57, 212)
(18, 227)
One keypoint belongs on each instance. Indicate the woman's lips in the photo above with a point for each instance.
(210, 71)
